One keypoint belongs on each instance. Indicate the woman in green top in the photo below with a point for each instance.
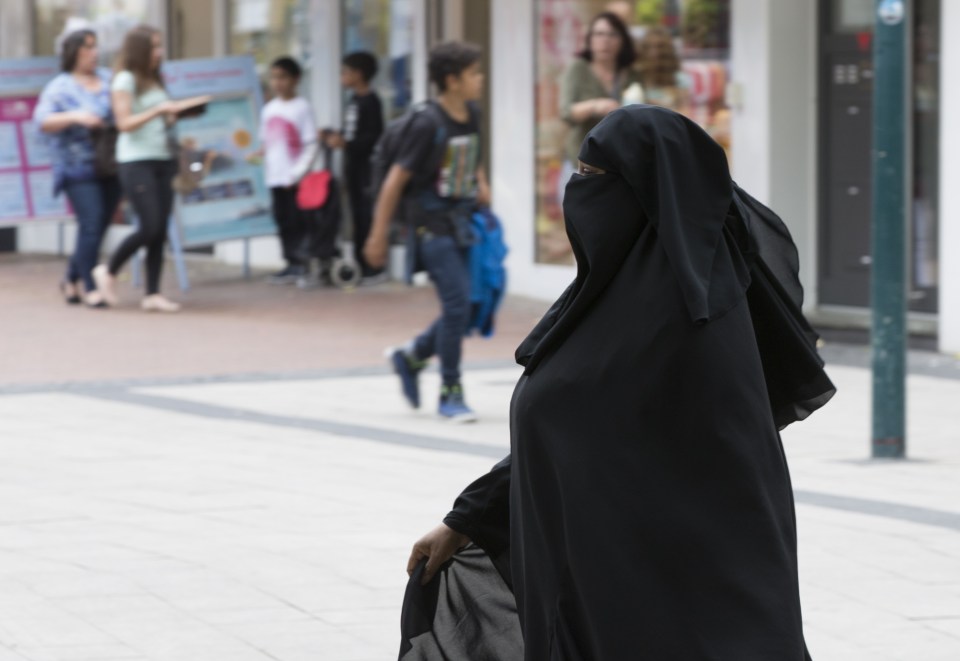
(594, 83)
(143, 113)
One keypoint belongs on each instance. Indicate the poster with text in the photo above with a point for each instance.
(26, 177)
(230, 200)
(25, 170)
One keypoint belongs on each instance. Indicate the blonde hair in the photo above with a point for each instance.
(658, 61)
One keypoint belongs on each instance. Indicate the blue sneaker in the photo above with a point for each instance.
(408, 370)
(452, 407)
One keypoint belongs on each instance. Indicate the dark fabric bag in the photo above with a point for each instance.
(105, 151)
(323, 227)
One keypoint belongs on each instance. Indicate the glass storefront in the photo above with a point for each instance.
(384, 28)
(926, 157)
(110, 19)
(268, 29)
(685, 40)
(846, 128)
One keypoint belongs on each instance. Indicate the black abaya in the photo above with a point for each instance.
(645, 510)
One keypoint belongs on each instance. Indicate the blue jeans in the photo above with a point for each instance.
(448, 267)
(94, 203)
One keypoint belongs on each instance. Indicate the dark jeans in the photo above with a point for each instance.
(449, 270)
(148, 186)
(291, 225)
(94, 203)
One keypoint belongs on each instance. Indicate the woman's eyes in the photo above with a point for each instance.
(586, 171)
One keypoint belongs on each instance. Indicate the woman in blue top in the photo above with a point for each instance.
(73, 107)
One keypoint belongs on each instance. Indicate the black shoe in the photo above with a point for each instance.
(287, 276)
(69, 299)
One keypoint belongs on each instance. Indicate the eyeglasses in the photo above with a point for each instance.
(605, 34)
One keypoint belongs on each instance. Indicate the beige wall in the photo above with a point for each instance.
(191, 29)
(15, 28)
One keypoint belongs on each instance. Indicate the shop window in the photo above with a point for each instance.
(924, 242)
(384, 28)
(852, 16)
(110, 19)
(268, 29)
(683, 63)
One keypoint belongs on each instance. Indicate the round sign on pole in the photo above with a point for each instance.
(891, 12)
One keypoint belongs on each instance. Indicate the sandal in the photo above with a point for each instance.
(70, 294)
(94, 301)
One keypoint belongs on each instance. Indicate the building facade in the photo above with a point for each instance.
(784, 86)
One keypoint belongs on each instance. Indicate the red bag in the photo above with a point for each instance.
(314, 190)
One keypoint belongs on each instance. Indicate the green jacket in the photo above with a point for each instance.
(579, 84)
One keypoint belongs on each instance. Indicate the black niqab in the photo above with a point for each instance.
(645, 510)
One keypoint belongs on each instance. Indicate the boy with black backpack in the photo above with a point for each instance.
(437, 179)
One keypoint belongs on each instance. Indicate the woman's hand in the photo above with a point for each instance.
(593, 108)
(603, 106)
(167, 110)
(437, 546)
(87, 120)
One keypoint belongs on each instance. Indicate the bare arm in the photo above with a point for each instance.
(375, 249)
(61, 121)
(125, 118)
(584, 110)
(483, 187)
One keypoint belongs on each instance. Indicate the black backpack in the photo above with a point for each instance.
(387, 149)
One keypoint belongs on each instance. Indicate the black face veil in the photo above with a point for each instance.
(662, 171)
(721, 244)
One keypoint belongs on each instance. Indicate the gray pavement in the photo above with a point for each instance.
(182, 510)
(270, 519)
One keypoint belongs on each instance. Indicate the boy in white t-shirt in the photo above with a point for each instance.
(288, 134)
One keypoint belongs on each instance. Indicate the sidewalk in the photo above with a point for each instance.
(228, 326)
(227, 507)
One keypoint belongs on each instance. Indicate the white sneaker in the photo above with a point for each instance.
(105, 283)
(157, 303)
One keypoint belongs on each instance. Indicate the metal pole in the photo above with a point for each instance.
(889, 282)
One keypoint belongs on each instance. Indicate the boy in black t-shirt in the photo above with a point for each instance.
(362, 126)
(439, 178)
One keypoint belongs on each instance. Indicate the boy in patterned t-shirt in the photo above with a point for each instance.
(438, 190)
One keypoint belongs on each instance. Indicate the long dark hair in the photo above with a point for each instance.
(627, 54)
(137, 57)
(70, 49)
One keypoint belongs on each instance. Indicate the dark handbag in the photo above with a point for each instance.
(104, 151)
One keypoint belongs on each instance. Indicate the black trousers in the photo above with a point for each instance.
(291, 225)
(148, 186)
(361, 208)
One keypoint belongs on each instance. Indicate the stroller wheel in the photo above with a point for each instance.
(344, 274)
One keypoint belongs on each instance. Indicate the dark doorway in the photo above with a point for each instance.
(8, 239)
(846, 92)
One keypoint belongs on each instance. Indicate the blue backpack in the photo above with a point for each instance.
(488, 276)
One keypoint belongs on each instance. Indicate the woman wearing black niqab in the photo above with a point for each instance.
(645, 510)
